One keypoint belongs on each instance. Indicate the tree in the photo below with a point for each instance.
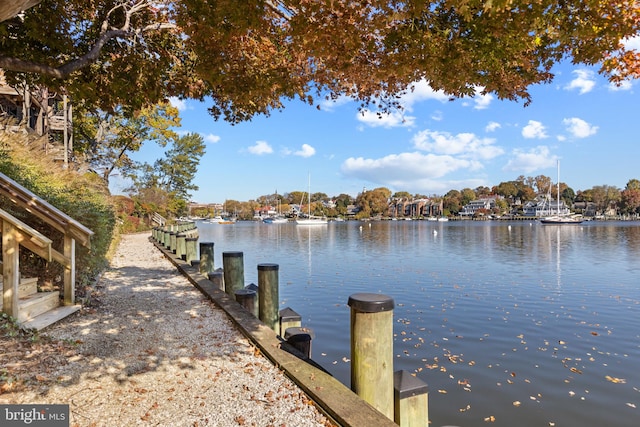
(107, 139)
(250, 56)
(630, 200)
(452, 201)
(467, 196)
(178, 167)
(373, 202)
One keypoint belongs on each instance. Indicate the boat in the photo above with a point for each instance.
(278, 218)
(558, 218)
(310, 219)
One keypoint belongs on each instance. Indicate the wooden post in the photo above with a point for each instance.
(289, 319)
(300, 339)
(217, 277)
(233, 267)
(247, 299)
(411, 400)
(181, 246)
(10, 269)
(268, 299)
(69, 275)
(191, 249)
(372, 349)
(172, 241)
(206, 258)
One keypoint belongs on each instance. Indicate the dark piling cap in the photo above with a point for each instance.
(178, 236)
(232, 254)
(245, 292)
(288, 314)
(206, 244)
(214, 274)
(268, 267)
(406, 385)
(252, 286)
(299, 334)
(191, 239)
(371, 303)
(195, 262)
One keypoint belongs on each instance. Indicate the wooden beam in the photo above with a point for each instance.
(45, 211)
(10, 269)
(70, 271)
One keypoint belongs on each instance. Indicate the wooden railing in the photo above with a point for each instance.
(15, 233)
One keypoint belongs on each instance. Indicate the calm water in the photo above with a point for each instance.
(508, 323)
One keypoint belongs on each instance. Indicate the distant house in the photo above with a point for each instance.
(35, 109)
(486, 203)
(545, 207)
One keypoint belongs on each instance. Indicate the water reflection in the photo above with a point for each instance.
(487, 313)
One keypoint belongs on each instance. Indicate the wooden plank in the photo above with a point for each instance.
(50, 317)
(43, 210)
(10, 269)
(28, 232)
(69, 275)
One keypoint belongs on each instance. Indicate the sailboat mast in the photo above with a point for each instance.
(558, 197)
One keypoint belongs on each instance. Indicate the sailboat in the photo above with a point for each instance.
(310, 219)
(560, 218)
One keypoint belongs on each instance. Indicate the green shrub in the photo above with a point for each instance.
(82, 196)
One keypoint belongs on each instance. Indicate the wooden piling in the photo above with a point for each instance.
(191, 248)
(300, 338)
(247, 298)
(372, 350)
(268, 298)
(181, 246)
(206, 258)
(289, 319)
(217, 278)
(411, 400)
(233, 267)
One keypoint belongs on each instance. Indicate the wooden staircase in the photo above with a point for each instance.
(39, 309)
(20, 296)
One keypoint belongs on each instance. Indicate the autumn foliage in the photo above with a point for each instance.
(248, 57)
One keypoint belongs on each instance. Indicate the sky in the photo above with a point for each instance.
(434, 145)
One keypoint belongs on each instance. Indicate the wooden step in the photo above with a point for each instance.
(50, 317)
(36, 304)
(28, 286)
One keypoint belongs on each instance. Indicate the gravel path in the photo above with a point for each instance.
(156, 352)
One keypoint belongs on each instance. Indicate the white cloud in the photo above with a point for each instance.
(632, 43)
(260, 148)
(622, 86)
(331, 104)
(578, 128)
(414, 172)
(584, 81)
(211, 138)
(526, 162)
(389, 120)
(437, 116)
(482, 101)
(305, 151)
(492, 126)
(534, 129)
(180, 104)
(465, 145)
(417, 92)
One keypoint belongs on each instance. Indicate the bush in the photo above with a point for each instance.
(82, 196)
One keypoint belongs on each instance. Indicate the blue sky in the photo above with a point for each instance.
(433, 146)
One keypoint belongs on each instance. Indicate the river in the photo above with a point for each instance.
(509, 323)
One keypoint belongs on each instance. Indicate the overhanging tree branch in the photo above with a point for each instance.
(107, 33)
